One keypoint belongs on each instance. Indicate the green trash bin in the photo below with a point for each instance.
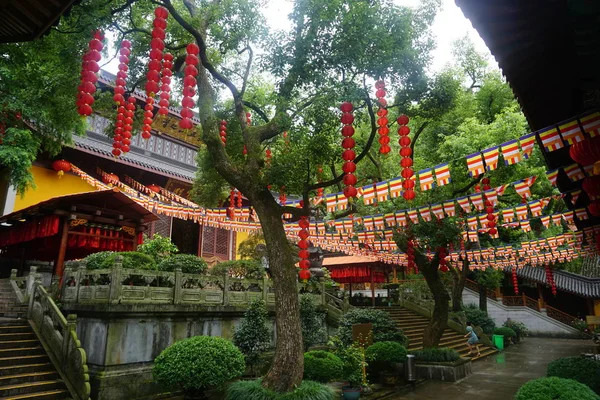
(498, 341)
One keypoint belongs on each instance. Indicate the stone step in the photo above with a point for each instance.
(7, 380)
(58, 394)
(15, 328)
(443, 343)
(23, 351)
(22, 360)
(16, 343)
(18, 368)
(12, 391)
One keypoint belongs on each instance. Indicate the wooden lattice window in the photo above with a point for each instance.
(215, 242)
(162, 226)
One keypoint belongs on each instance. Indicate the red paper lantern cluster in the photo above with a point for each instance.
(223, 132)
(127, 126)
(89, 77)
(587, 153)
(320, 179)
(248, 118)
(189, 86)
(121, 80)
(157, 45)
(550, 279)
(442, 254)
(239, 199)
(515, 280)
(268, 157)
(486, 184)
(406, 161)
(594, 208)
(382, 121)
(348, 155)
(282, 196)
(303, 244)
(165, 88)
(491, 217)
(410, 256)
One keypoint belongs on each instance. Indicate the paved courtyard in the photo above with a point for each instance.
(499, 376)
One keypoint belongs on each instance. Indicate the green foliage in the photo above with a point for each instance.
(383, 356)
(254, 390)
(431, 235)
(18, 151)
(555, 389)
(189, 264)
(506, 332)
(519, 328)
(581, 369)
(97, 260)
(353, 358)
(322, 366)
(253, 336)
(130, 260)
(158, 247)
(438, 354)
(479, 318)
(384, 328)
(312, 322)
(247, 248)
(249, 269)
(490, 278)
(198, 363)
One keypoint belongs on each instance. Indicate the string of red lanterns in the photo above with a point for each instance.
(406, 162)
(489, 209)
(515, 280)
(189, 86)
(239, 199)
(223, 132)
(118, 97)
(348, 155)
(232, 203)
(165, 88)
(303, 244)
(319, 180)
(382, 121)
(268, 157)
(127, 124)
(410, 257)
(89, 70)
(550, 279)
(443, 262)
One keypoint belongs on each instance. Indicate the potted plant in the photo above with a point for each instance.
(384, 359)
(354, 363)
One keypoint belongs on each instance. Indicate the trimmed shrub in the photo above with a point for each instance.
(383, 356)
(249, 269)
(581, 369)
(158, 247)
(131, 260)
(439, 354)
(254, 390)
(384, 327)
(253, 336)
(189, 264)
(312, 322)
(507, 333)
(519, 328)
(322, 366)
(97, 260)
(555, 389)
(198, 363)
(352, 357)
(479, 318)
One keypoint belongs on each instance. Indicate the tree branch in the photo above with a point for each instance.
(377, 166)
(248, 66)
(469, 186)
(417, 134)
(257, 110)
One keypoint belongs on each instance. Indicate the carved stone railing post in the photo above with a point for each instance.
(226, 289)
(116, 280)
(71, 326)
(79, 274)
(31, 278)
(13, 274)
(177, 292)
(67, 274)
(265, 291)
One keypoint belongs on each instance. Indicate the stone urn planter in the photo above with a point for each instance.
(351, 393)
(444, 371)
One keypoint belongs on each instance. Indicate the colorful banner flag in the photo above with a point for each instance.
(438, 210)
(450, 208)
(522, 189)
(589, 170)
(574, 172)
(473, 237)
(492, 196)
(525, 226)
(390, 220)
(556, 219)
(464, 203)
(477, 200)
(535, 207)
(382, 191)
(426, 179)
(331, 202)
(342, 202)
(527, 142)
(491, 158)
(581, 214)
(552, 176)
(546, 221)
(571, 132)
(508, 215)
(401, 218)
(378, 222)
(568, 217)
(475, 164)
(574, 196)
(510, 152)
(472, 223)
(414, 217)
(521, 212)
(442, 174)
(550, 139)
(425, 213)
(368, 193)
(396, 187)
(591, 124)
(500, 189)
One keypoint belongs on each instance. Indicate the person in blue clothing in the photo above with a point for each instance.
(473, 340)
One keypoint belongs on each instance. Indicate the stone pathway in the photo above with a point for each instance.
(498, 377)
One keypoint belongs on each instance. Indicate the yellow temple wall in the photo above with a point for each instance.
(239, 238)
(49, 185)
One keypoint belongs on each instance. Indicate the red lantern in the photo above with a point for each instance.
(189, 83)
(382, 121)
(223, 134)
(61, 166)
(167, 66)
(110, 179)
(587, 153)
(594, 208)
(403, 120)
(408, 194)
(304, 274)
(154, 188)
(515, 280)
(591, 185)
(348, 154)
(89, 70)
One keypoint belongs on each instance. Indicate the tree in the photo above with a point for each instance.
(253, 336)
(312, 322)
(488, 279)
(459, 277)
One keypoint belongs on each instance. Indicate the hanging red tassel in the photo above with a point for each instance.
(303, 244)
(348, 155)
(189, 86)
(515, 280)
(89, 75)
(223, 132)
(382, 121)
(406, 162)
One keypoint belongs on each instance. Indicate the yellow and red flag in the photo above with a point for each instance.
(450, 208)
(442, 174)
(508, 215)
(426, 179)
(581, 214)
(491, 158)
(551, 139)
(591, 124)
(425, 212)
(556, 219)
(535, 207)
(401, 218)
(472, 223)
(527, 142)
(368, 193)
(414, 217)
(522, 212)
(574, 172)
(396, 187)
(522, 188)
(574, 196)
(438, 210)
(464, 203)
(510, 152)
(477, 200)
(475, 164)
(571, 132)
(552, 176)
(390, 220)
(382, 191)
(525, 226)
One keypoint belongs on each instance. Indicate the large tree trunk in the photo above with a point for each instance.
(482, 298)
(439, 321)
(288, 364)
(458, 279)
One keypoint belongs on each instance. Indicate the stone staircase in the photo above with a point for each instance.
(26, 371)
(413, 325)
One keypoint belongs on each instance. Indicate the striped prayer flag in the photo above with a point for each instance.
(425, 213)
(426, 179)
(414, 217)
(475, 164)
(522, 189)
(550, 139)
(535, 207)
(574, 196)
(472, 223)
(331, 202)
(401, 218)
(342, 202)
(395, 187)
(492, 196)
(477, 200)
(390, 219)
(581, 214)
(382, 191)
(450, 208)
(591, 124)
(571, 132)
(378, 222)
(510, 152)
(525, 226)
(574, 172)
(491, 158)
(508, 215)
(473, 237)
(438, 210)
(368, 223)
(568, 216)
(546, 221)
(552, 176)
(527, 142)
(522, 212)
(464, 203)
(442, 174)
(500, 189)
(589, 170)
(368, 193)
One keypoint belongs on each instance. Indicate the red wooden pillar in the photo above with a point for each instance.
(59, 264)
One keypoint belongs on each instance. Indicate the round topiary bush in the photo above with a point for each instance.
(384, 327)
(479, 318)
(198, 363)
(583, 370)
(254, 390)
(97, 260)
(189, 264)
(555, 389)
(322, 366)
(383, 356)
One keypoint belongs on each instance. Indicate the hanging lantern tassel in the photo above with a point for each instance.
(382, 121)
(189, 86)
(89, 75)
(515, 280)
(442, 259)
(223, 132)
(303, 244)
(550, 279)
(349, 167)
(408, 184)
